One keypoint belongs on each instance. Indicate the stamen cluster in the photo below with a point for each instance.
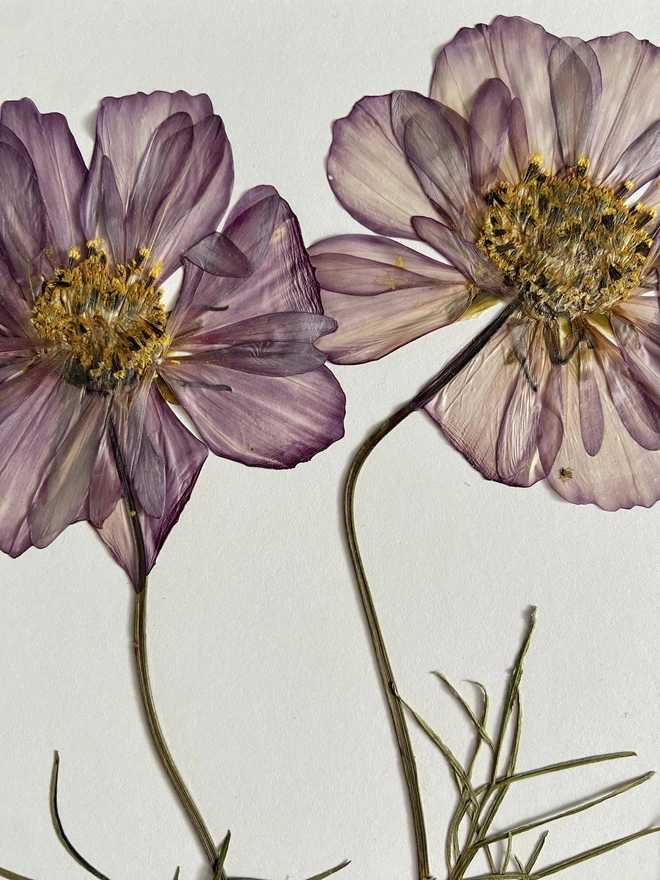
(569, 247)
(111, 322)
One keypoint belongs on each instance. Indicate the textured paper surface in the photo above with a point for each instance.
(261, 667)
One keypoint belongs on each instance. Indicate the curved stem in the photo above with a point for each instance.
(140, 645)
(449, 372)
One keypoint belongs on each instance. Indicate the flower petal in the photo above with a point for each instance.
(178, 457)
(173, 171)
(436, 154)
(489, 128)
(640, 162)
(267, 357)
(36, 408)
(575, 87)
(511, 49)
(491, 410)
(382, 295)
(264, 228)
(631, 71)
(268, 421)
(470, 260)
(369, 173)
(278, 327)
(622, 473)
(59, 168)
(23, 224)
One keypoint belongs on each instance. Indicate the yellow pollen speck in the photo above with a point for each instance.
(390, 283)
(568, 247)
(565, 474)
(399, 262)
(109, 322)
(74, 253)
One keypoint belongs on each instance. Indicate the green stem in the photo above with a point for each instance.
(449, 372)
(140, 645)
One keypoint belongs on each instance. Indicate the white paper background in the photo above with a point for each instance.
(261, 666)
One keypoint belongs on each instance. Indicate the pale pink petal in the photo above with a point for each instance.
(592, 422)
(382, 295)
(631, 72)
(470, 260)
(179, 458)
(575, 87)
(640, 162)
(491, 410)
(369, 173)
(511, 49)
(59, 168)
(622, 473)
(278, 327)
(267, 421)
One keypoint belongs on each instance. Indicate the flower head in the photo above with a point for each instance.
(90, 356)
(533, 168)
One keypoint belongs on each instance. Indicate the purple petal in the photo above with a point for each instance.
(264, 358)
(14, 309)
(491, 410)
(369, 173)
(267, 232)
(36, 408)
(279, 327)
(575, 86)
(176, 455)
(218, 255)
(489, 128)
(437, 156)
(177, 179)
(513, 50)
(265, 421)
(22, 221)
(62, 497)
(59, 168)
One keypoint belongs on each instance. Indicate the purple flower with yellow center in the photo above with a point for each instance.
(533, 169)
(90, 356)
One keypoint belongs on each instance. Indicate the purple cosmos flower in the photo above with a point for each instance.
(533, 169)
(89, 355)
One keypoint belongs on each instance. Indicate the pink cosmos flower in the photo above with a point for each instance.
(90, 358)
(533, 169)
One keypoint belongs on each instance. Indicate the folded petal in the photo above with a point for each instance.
(575, 88)
(491, 411)
(172, 170)
(23, 222)
(278, 327)
(640, 162)
(267, 357)
(59, 167)
(264, 228)
(513, 50)
(174, 461)
(489, 127)
(268, 421)
(437, 155)
(369, 173)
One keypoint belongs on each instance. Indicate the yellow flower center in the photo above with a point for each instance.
(569, 247)
(110, 322)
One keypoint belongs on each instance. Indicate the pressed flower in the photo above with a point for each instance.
(90, 358)
(533, 169)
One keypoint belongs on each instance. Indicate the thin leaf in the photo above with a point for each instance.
(315, 877)
(592, 853)
(176, 874)
(218, 874)
(9, 875)
(507, 855)
(620, 789)
(483, 735)
(536, 852)
(57, 823)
